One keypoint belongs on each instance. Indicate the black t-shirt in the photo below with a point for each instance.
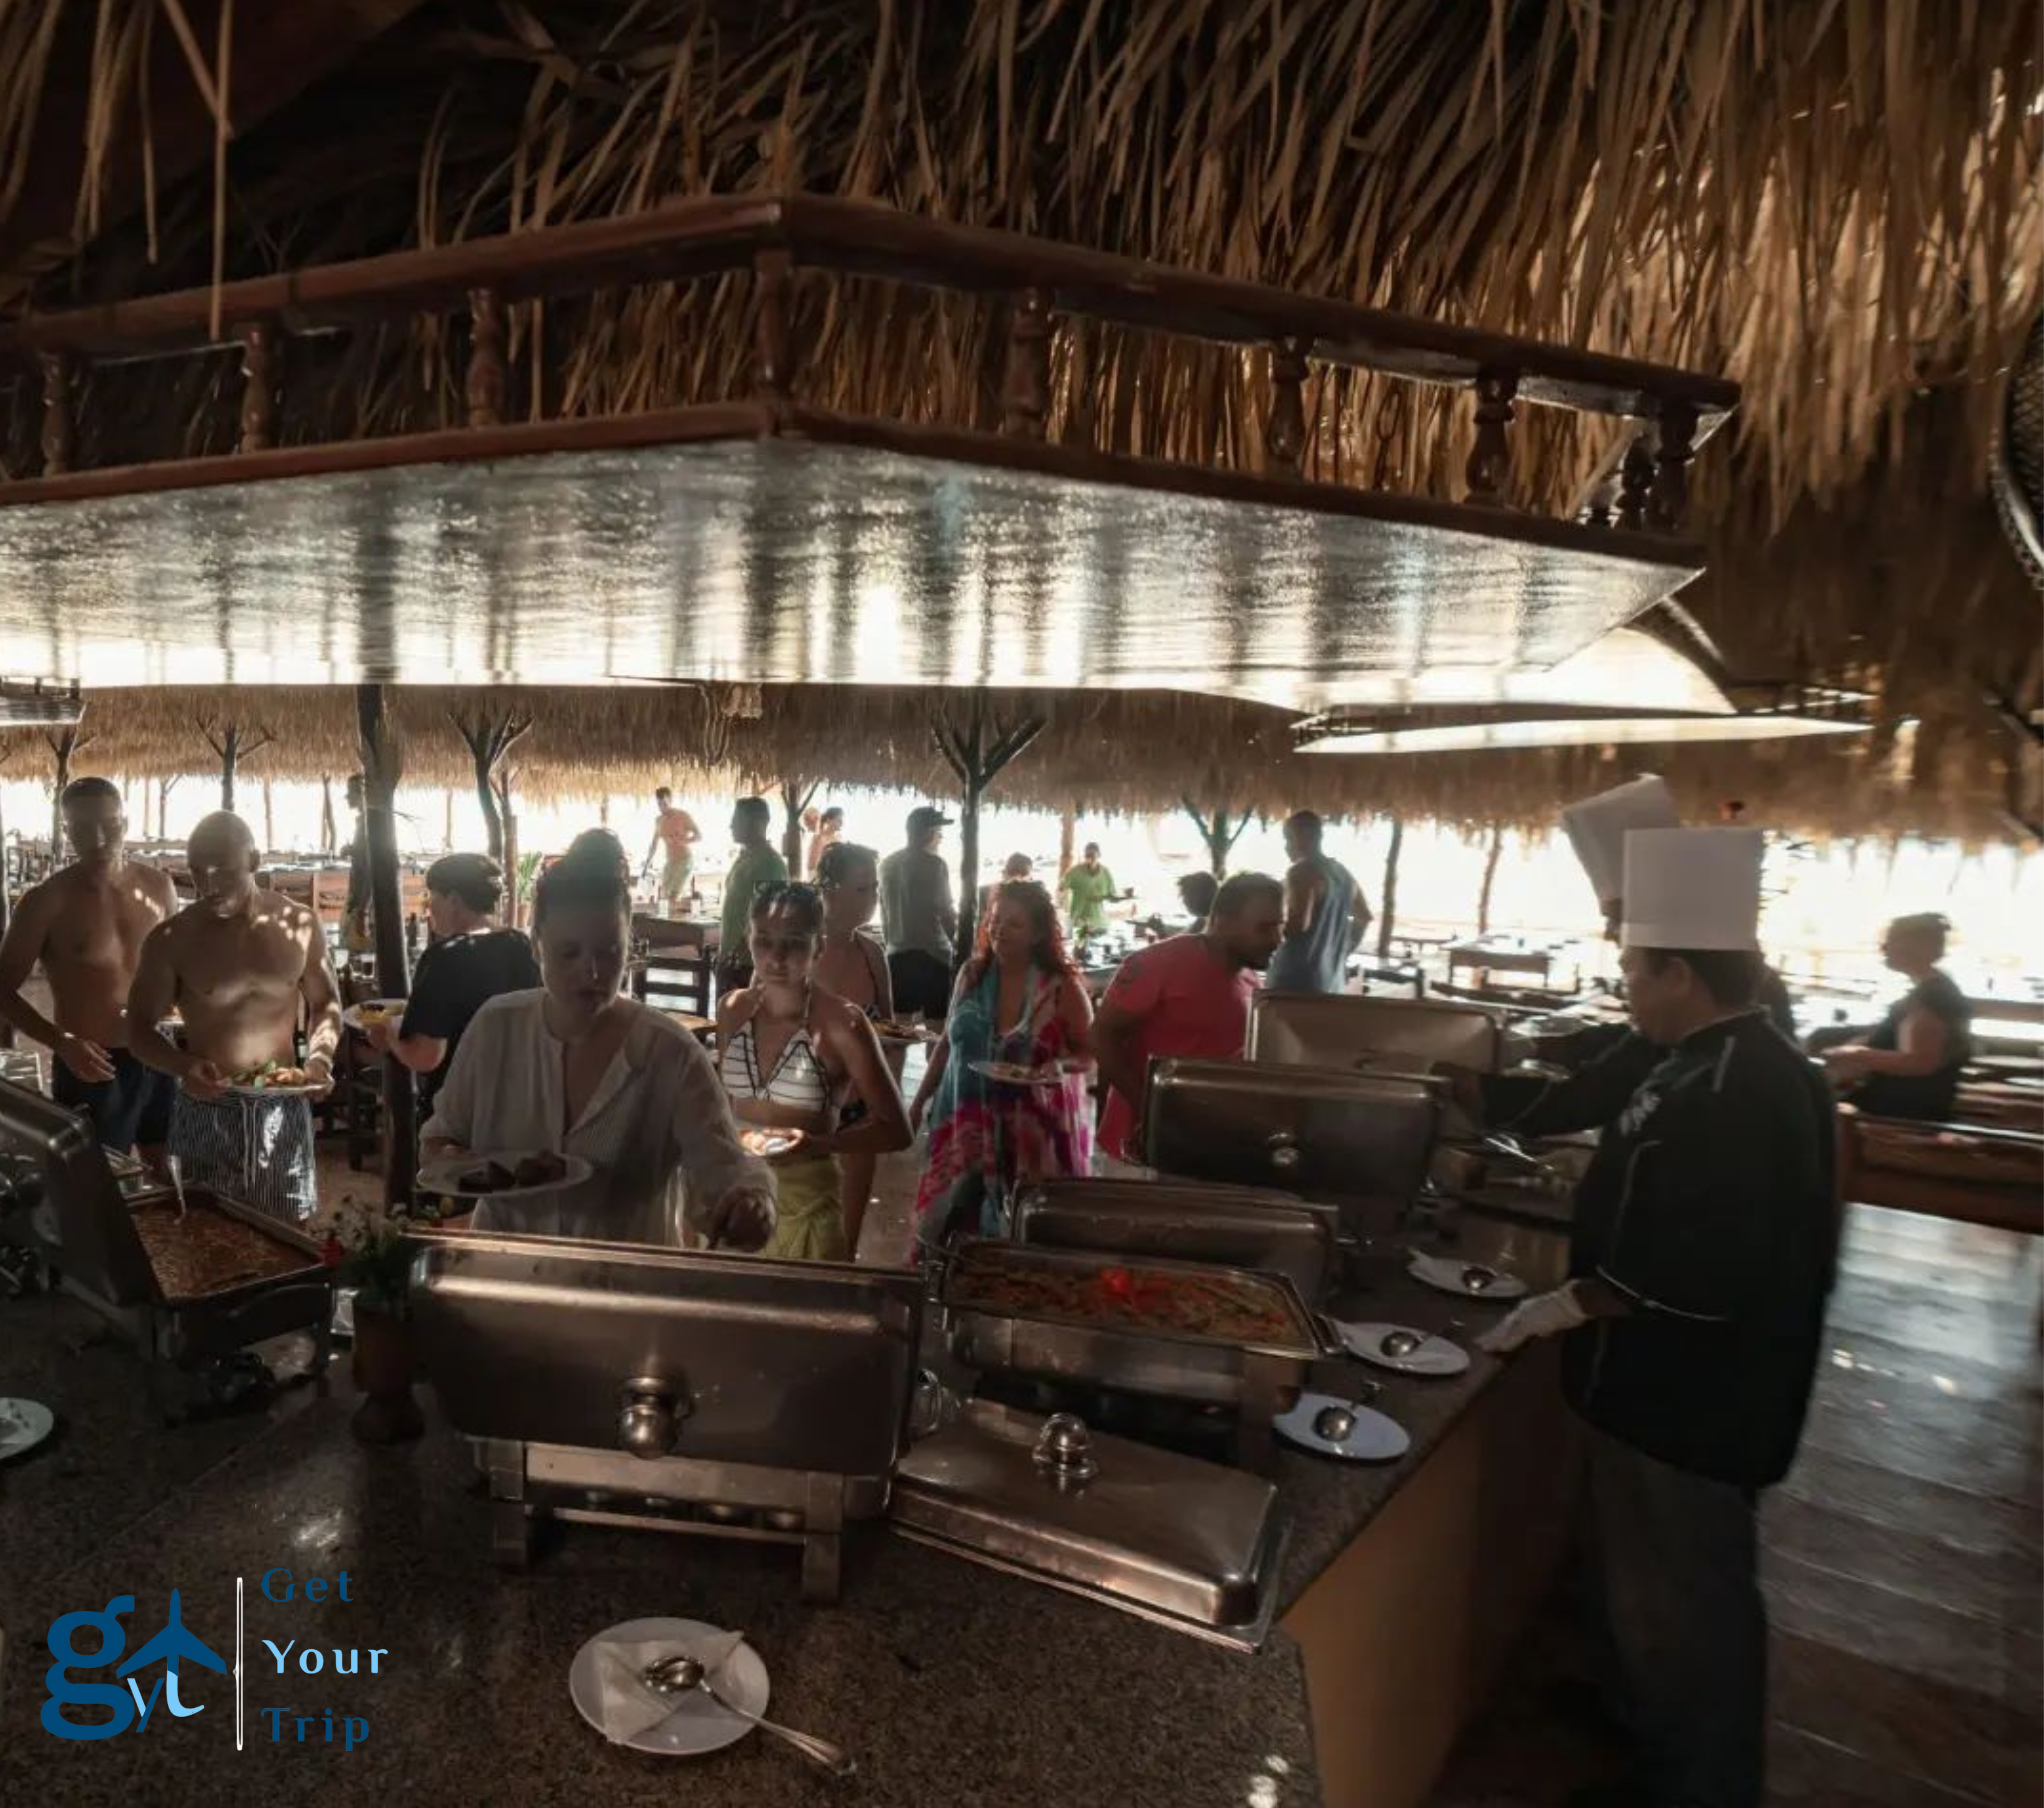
(454, 979)
(1712, 1205)
(1932, 1095)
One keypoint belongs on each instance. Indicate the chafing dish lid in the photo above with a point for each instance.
(1101, 1515)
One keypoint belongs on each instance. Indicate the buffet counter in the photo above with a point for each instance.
(949, 1682)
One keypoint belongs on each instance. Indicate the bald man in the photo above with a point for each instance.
(235, 963)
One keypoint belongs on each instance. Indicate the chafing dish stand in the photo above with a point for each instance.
(65, 1205)
(624, 1385)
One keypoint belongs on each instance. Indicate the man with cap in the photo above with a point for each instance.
(1704, 1243)
(919, 917)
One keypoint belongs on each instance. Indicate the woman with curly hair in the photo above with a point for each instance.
(1018, 1001)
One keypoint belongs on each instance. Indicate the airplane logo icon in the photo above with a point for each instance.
(170, 1647)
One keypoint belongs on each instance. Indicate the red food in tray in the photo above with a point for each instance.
(1226, 1307)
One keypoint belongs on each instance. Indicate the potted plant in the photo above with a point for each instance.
(367, 1249)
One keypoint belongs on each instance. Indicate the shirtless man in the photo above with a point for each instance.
(86, 924)
(236, 964)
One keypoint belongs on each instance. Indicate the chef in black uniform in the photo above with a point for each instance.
(1705, 1237)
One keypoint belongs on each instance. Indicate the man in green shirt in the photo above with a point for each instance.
(759, 863)
(1088, 888)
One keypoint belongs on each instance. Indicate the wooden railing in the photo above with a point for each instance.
(774, 236)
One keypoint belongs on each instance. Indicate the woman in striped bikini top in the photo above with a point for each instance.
(789, 1053)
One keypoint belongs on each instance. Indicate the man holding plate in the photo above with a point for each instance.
(235, 963)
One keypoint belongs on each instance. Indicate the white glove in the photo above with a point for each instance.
(1543, 1315)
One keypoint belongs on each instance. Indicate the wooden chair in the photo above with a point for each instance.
(355, 1108)
(1970, 1172)
(675, 979)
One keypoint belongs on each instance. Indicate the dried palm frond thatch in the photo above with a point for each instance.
(1836, 205)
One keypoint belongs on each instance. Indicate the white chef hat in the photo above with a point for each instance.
(1693, 888)
(1597, 828)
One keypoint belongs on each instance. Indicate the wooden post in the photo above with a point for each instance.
(1490, 459)
(447, 832)
(1388, 915)
(1635, 480)
(796, 797)
(268, 821)
(1216, 833)
(1285, 431)
(1497, 847)
(59, 438)
(1673, 451)
(486, 369)
(514, 901)
(977, 753)
(232, 744)
(1025, 388)
(259, 386)
(1067, 832)
(330, 834)
(489, 739)
(63, 744)
(381, 764)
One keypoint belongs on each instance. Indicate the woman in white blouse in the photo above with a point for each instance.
(577, 1068)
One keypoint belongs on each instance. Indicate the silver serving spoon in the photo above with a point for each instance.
(172, 1168)
(677, 1675)
(1479, 1279)
(1401, 1343)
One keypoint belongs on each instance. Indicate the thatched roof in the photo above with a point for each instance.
(1837, 205)
(1133, 752)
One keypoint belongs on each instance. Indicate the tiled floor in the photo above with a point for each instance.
(1901, 1554)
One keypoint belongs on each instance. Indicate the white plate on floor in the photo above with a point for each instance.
(23, 1425)
(1436, 1355)
(1448, 1275)
(1372, 1438)
(698, 1724)
(444, 1175)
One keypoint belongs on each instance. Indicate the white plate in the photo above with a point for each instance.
(769, 1143)
(698, 1724)
(1445, 1275)
(1372, 1438)
(273, 1092)
(1434, 1356)
(895, 1032)
(23, 1425)
(444, 1175)
(352, 1016)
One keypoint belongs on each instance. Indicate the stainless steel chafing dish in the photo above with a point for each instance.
(1327, 1134)
(1259, 1377)
(632, 1386)
(192, 1288)
(1189, 1544)
(1237, 1226)
(1378, 1034)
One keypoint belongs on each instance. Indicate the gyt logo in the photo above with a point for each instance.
(168, 1647)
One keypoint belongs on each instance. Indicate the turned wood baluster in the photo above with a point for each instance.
(1285, 431)
(59, 438)
(259, 386)
(487, 373)
(1490, 459)
(773, 348)
(1025, 385)
(1635, 480)
(1672, 453)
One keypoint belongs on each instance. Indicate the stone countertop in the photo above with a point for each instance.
(950, 1682)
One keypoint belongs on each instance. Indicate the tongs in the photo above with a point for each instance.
(171, 1168)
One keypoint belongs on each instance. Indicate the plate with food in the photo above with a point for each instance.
(770, 1141)
(270, 1078)
(23, 1425)
(902, 1028)
(1467, 1281)
(373, 1011)
(510, 1175)
(1014, 1073)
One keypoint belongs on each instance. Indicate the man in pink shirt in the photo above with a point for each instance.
(1185, 996)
